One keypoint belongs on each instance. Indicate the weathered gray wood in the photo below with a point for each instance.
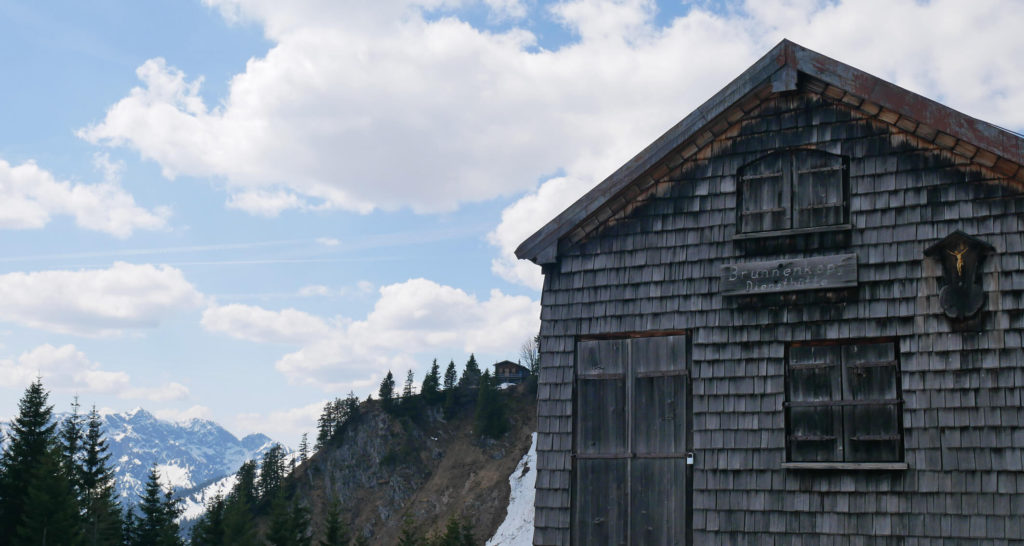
(659, 409)
(658, 502)
(598, 519)
(603, 402)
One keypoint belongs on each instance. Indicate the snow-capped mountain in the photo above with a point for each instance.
(189, 455)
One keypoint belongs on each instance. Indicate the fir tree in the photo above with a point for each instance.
(130, 528)
(289, 526)
(387, 392)
(72, 436)
(455, 534)
(238, 522)
(101, 511)
(470, 375)
(159, 510)
(430, 390)
(238, 507)
(335, 531)
(271, 472)
(50, 513)
(244, 490)
(304, 448)
(408, 536)
(351, 408)
(451, 377)
(450, 390)
(407, 388)
(412, 404)
(490, 410)
(209, 529)
(324, 427)
(31, 436)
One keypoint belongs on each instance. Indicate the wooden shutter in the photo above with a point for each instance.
(872, 422)
(819, 194)
(764, 196)
(815, 386)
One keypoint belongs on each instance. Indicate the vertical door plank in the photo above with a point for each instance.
(658, 501)
(601, 501)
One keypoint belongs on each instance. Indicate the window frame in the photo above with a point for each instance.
(789, 176)
(845, 406)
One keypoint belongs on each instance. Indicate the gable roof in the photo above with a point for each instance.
(510, 363)
(776, 72)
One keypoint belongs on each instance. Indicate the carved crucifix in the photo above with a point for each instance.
(961, 256)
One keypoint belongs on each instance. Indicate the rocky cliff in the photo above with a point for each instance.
(419, 470)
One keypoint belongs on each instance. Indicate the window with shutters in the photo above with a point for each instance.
(844, 403)
(793, 190)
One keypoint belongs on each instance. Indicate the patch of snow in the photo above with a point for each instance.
(517, 529)
(194, 505)
(174, 476)
(504, 386)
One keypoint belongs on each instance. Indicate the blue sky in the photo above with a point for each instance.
(237, 209)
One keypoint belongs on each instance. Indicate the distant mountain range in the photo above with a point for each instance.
(189, 455)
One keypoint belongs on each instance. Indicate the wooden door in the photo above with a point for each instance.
(633, 434)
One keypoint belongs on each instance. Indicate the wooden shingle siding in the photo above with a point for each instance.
(655, 266)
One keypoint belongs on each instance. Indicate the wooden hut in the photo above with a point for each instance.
(795, 318)
(507, 371)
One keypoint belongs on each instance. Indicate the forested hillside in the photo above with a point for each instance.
(428, 468)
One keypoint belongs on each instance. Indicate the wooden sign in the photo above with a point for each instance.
(789, 275)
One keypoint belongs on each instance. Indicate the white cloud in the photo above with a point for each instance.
(328, 241)
(170, 391)
(285, 425)
(363, 105)
(67, 369)
(30, 196)
(314, 290)
(187, 414)
(100, 302)
(409, 319)
(257, 324)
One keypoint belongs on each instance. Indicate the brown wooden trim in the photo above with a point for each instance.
(632, 335)
(580, 456)
(846, 341)
(812, 365)
(876, 364)
(791, 232)
(662, 373)
(599, 376)
(811, 438)
(845, 466)
(659, 455)
(818, 403)
(876, 437)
